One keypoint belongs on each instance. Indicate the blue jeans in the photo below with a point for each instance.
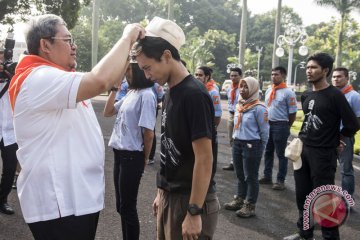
(247, 156)
(278, 136)
(346, 167)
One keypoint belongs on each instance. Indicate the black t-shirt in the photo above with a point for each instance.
(188, 115)
(323, 112)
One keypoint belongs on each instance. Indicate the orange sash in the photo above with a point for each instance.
(347, 89)
(209, 85)
(24, 68)
(234, 86)
(245, 108)
(273, 91)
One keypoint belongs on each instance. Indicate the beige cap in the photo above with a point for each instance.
(167, 30)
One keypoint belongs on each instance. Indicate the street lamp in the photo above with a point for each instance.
(259, 49)
(352, 76)
(232, 65)
(291, 36)
(302, 65)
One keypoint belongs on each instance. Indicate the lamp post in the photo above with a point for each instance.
(291, 36)
(352, 76)
(232, 65)
(302, 65)
(259, 49)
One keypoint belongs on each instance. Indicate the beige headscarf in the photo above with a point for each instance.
(253, 85)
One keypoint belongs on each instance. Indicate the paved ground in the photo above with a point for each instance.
(276, 211)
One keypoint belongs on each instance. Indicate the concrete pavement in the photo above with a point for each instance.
(276, 212)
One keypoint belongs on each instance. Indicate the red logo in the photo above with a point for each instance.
(330, 209)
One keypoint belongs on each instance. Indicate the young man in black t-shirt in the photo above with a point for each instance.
(186, 204)
(324, 108)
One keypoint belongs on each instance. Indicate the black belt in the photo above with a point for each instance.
(278, 122)
(232, 113)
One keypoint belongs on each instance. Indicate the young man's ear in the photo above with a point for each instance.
(167, 56)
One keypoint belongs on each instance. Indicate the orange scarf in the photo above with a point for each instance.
(210, 85)
(24, 68)
(273, 91)
(347, 89)
(245, 108)
(234, 86)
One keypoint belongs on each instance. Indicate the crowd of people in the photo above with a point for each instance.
(49, 122)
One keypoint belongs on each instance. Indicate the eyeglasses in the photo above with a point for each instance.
(70, 40)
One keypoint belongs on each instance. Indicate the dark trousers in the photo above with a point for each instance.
(128, 170)
(318, 169)
(8, 155)
(278, 136)
(69, 228)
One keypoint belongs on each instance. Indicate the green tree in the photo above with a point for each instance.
(67, 9)
(344, 7)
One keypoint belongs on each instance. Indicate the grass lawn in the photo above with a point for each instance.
(298, 122)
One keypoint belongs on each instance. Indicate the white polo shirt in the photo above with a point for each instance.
(61, 148)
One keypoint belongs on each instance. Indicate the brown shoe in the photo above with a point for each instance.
(265, 180)
(235, 204)
(248, 210)
(278, 186)
(230, 167)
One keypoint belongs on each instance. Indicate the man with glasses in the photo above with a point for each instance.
(61, 149)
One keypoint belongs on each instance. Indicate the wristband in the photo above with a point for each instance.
(343, 143)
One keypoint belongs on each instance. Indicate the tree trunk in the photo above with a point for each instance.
(171, 10)
(275, 59)
(95, 37)
(340, 41)
(243, 32)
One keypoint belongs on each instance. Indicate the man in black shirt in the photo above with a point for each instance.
(186, 204)
(324, 108)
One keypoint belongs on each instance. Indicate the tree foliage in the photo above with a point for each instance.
(67, 9)
(344, 7)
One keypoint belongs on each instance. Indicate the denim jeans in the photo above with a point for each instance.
(247, 156)
(128, 170)
(346, 167)
(278, 136)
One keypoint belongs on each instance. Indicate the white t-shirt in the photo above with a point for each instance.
(6, 119)
(137, 110)
(61, 148)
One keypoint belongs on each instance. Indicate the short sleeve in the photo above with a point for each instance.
(199, 115)
(148, 110)
(291, 102)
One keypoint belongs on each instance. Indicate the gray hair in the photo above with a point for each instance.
(44, 26)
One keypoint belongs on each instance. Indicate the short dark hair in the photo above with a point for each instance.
(342, 69)
(281, 69)
(207, 71)
(139, 80)
(154, 47)
(324, 60)
(236, 69)
(44, 26)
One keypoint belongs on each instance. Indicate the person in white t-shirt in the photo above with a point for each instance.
(8, 146)
(61, 148)
(131, 140)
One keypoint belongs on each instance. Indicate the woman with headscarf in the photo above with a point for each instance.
(251, 132)
(131, 140)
